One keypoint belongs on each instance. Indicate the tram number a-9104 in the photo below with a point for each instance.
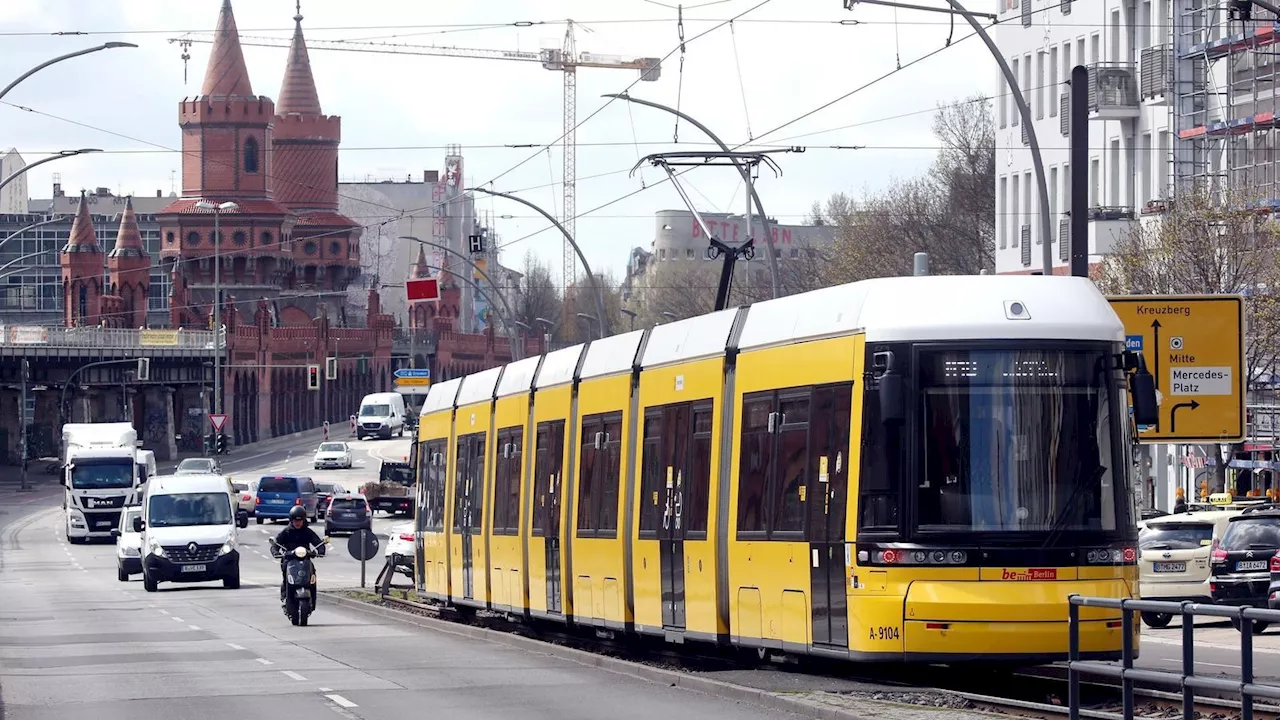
(884, 633)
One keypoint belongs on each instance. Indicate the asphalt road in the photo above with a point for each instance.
(75, 642)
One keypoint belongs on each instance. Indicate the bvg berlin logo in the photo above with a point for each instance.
(1029, 574)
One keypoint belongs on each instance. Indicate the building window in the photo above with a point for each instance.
(251, 155)
(239, 238)
(193, 238)
(168, 238)
(266, 238)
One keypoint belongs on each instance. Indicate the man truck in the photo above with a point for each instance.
(104, 470)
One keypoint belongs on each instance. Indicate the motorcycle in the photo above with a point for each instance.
(300, 580)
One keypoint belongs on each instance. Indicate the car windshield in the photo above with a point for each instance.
(332, 447)
(277, 485)
(240, 487)
(1175, 536)
(375, 411)
(1017, 441)
(1256, 533)
(102, 473)
(196, 465)
(189, 509)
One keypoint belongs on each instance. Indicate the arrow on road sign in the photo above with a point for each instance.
(1173, 413)
(217, 421)
(413, 373)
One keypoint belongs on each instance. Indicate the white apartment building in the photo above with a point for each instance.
(1126, 46)
(13, 197)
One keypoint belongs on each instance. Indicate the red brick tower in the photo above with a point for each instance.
(305, 151)
(129, 271)
(82, 272)
(226, 141)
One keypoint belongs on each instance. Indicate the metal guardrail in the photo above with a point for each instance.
(105, 338)
(1187, 679)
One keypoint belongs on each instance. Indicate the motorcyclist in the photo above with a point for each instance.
(295, 535)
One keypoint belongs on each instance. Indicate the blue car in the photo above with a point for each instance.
(277, 494)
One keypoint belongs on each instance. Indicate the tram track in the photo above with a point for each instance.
(1039, 692)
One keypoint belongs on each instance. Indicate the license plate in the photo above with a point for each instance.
(1163, 567)
(194, 568)
(277, 501)
(102, 523)
(1252, 565)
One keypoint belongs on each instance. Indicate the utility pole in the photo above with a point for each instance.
(26, 420)
(1078, 154)
(217, 298)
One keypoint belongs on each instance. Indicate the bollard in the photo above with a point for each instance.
(921, 264)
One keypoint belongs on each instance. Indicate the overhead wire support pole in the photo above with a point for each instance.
(1024, 112)
(716, 247)
(775, 280)
(568, 236)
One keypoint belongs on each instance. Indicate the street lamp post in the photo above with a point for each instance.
(1037, 161)
(60, 58)
(58, 156)
(590, 318)
(595, 280)
(631, 316)
(217, 297)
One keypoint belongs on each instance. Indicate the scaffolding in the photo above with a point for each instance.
(1226, 116)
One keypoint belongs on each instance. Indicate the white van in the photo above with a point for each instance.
(189, 527)
(381, 415)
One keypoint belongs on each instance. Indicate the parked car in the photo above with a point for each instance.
(198, 466)
(348, 512)
(128, 545)
(333, 455)
(1241, 564)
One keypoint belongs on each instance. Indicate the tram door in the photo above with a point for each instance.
(828, 484)
(550, 475)
(467, 498)
(676, 455)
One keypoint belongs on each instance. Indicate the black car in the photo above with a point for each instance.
(348, 512)
(1241, 564)
(326, 491)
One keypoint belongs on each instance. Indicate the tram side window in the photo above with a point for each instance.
(598, 475)
(433, 500)
(881, 473)
(753, 471)
(475, 515)
(829, 462)
(548, 462)
(587, 476)
(610, 471)
(791, 466)
(468, 476)
(651, 475)
(700, 473)
(506, 482)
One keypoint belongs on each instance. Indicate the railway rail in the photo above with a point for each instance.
(1017, 692)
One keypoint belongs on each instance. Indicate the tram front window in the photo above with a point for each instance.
(1017, 441)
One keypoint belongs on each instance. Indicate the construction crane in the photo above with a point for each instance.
(565, 59)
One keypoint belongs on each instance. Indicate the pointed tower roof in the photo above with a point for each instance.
(82, 239)
(298, 91)
(420, 267)
(227, 75)
(129, 240)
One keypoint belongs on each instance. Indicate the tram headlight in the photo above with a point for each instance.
(1111, 556)
(926, 558)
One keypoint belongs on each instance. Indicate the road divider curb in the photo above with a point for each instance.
(717, 688)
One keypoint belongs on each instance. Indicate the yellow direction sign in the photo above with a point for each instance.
(1194, 347)
(412, 381)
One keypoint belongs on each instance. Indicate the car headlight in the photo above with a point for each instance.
(155, 549)
(227, 547)
(130, 552)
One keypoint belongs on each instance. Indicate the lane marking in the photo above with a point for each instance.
(325, 690)
(341, 701)
(264, 661)
(194, 627)
(292, 674)
(178, 619)
(162, 612)
(1213, 646)
(234, 646)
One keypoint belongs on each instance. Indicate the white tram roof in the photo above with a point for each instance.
(612, 355)
(479, 387)
(558, 367)
(690, 339)
(441, 396)
(937, 307)
(518, 377)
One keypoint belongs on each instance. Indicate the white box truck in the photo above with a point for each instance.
(103, 471)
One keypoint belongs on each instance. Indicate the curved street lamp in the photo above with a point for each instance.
(218, 338)
(60, 58)
(60, 155)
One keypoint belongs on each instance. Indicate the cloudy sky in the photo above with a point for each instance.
(779, 60)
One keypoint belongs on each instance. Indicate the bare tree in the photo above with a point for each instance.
(539, 296)
(1208, 242)
(949, 212)
(580, 298)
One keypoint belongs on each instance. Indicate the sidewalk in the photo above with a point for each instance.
(11, 475)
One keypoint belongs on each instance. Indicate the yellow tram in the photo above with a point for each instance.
(902, 469)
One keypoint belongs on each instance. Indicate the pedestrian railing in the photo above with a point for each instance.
(107, 338)
(1245, 686)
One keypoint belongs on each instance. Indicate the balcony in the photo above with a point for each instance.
(1113, 91)
(1107, 227)
(1156, 73)
(1064, 114)
(1064, 239)
(1026, 245)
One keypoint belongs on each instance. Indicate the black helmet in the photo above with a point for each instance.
(297, 512)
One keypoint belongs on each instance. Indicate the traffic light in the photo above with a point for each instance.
(313, 377)
(144, 369)
(331, 368)
(220, 444)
